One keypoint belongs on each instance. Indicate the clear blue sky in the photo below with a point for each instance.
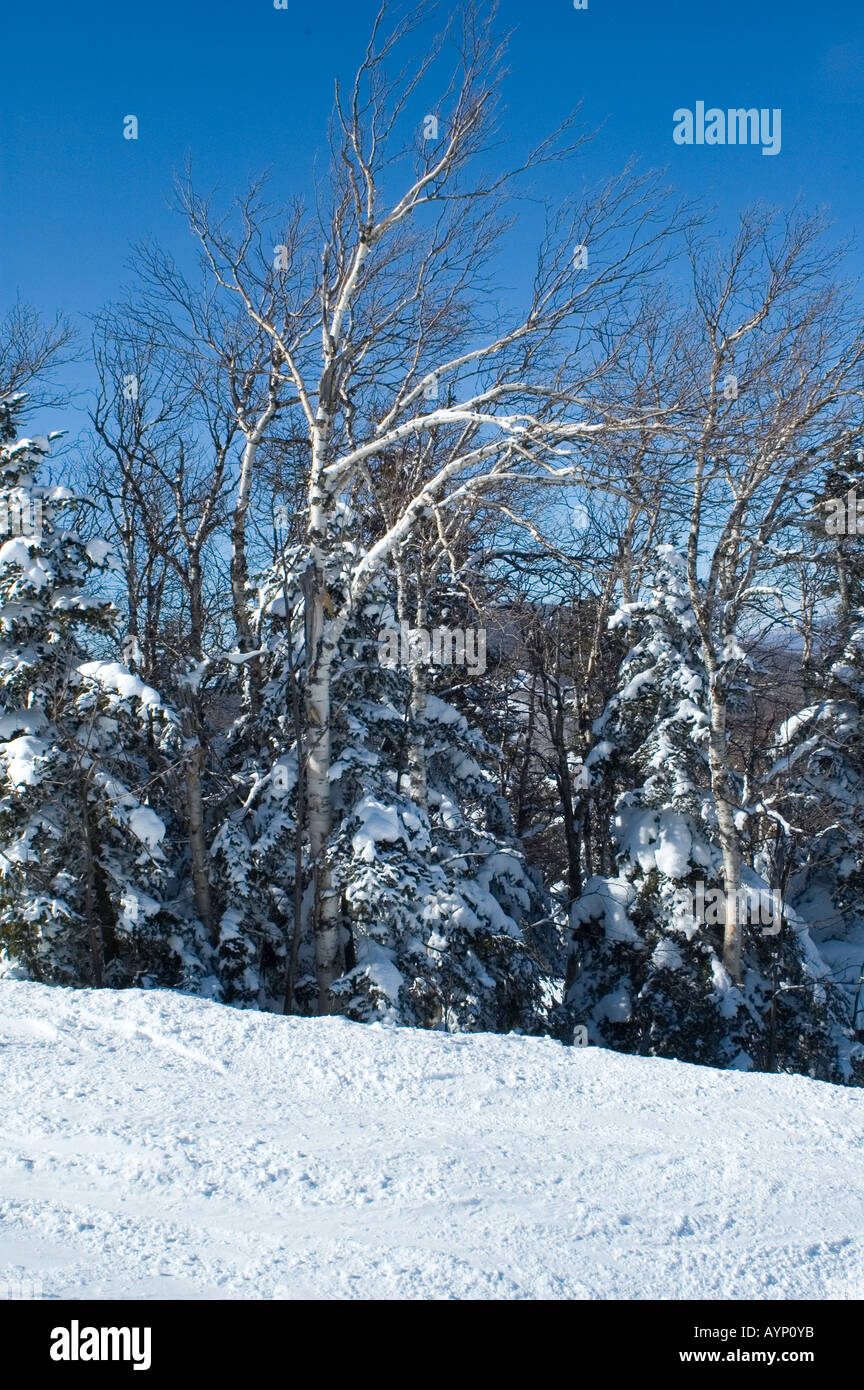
(242, 86)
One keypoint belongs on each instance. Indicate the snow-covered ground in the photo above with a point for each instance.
(154, 1145)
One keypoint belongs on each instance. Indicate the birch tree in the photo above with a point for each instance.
(773, 372)
(387, 335)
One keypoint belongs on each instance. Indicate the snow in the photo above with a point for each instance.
(377, 962)
(656, 840)
(672, 855)
(154, 1145)
(114, 677)
(377, 823)
(146, 826)
(135, 908)
(666, 956)
(21, 756)
(99, 551)
(608, 901)
(617, 1005)
(17, 552)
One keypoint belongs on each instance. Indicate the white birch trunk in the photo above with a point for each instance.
(730, 844)
(320, 649)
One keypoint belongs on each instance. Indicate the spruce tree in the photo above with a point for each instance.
(647, 973)
(81, 858)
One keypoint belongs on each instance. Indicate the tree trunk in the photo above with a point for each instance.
(730, 844)
(239, 567)
(94, 930)
(320, 650)
(522, 820)
(328, 944)
(565, 789)
(193, 775)
(416, 739)
(289, 1003)
(326, 915)
(196, 605)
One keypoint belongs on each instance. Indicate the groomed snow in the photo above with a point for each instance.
(155, 1145)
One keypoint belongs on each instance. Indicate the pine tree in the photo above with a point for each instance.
(81, 861)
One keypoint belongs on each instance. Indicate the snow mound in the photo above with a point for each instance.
(157, 1145)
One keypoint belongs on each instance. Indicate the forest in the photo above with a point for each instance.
(405, 643)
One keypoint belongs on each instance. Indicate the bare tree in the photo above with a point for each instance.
(31, 351)
(161, 472)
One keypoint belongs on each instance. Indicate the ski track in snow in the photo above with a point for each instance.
(153, 1145)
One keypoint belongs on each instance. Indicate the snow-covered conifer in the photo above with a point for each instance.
(81, 861)
(436, 901)
(817, 785)
(647, 973)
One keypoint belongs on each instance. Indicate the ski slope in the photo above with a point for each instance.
(154, 1145)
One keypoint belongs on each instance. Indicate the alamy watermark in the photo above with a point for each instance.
(21, 517)
(715, 906)
(20, 1290)
(845, 515)
(77, 1343)
(737, 126)
(440, 646)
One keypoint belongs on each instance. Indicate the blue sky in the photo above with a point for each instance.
(243, 86)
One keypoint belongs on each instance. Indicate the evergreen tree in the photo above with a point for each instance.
(437, 904)
(647, 973)
(81, 858)
(817, 781)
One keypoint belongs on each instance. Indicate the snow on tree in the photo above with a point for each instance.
(440, 904)
(436, 901)
(647, 971)
(817, 787)
(81, 859)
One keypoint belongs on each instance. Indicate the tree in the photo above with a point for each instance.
(815, 788)
(647, 973)
(770, 373)
(391, 314)
(438, 906)
(80, 849)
